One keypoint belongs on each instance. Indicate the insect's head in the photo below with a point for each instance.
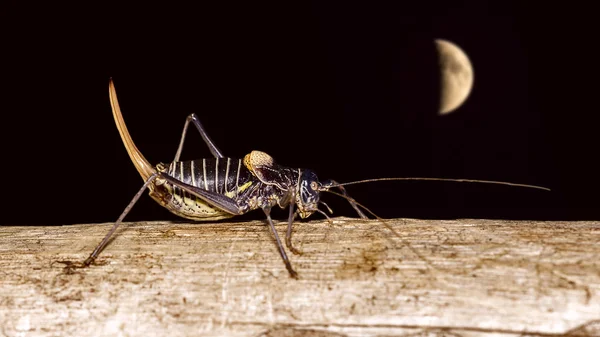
(308, 194)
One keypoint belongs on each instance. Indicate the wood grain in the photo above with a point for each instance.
(439, 278)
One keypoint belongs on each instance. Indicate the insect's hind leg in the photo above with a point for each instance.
(104, 241)
(228, 205)
(211, 145)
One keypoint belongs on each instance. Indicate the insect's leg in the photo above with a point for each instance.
(104, 241)
(288, 265)
(211, 146)
(228, 205)
(215, 199)
(288, 233)
(350, 200)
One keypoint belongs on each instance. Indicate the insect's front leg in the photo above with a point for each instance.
(288, 233)
(288, 265)
(229, 205)
(211, 145)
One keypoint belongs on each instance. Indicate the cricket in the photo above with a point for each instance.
(221, 187)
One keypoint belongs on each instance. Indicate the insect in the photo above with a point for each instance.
(221, 187)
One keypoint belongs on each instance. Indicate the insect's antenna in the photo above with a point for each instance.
(351, 200)
(444, 179)
(387, 225)
(328, 208)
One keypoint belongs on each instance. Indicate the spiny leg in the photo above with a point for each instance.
(288, 233)
(211, 145)
(288, 265)
(218, 200)
(228, 205)
(104, 241)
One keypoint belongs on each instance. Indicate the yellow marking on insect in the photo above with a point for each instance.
(238, 190)
(244, 187)
(200, 207)
(194, 208)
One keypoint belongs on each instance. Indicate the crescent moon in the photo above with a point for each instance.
(456, 76)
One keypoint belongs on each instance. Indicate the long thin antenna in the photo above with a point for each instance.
(445, 179)
(388, 226)
(348, 198)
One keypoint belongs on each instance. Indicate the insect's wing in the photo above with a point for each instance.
(265, 169)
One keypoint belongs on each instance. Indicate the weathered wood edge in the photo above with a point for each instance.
(462, 277)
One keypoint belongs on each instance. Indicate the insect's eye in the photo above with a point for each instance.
(314, 185)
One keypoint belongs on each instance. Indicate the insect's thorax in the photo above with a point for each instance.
(225, 176)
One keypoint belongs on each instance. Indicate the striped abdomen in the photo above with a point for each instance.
(220, 175)
(225, 176)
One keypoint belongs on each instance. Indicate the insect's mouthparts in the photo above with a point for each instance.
(304, 214)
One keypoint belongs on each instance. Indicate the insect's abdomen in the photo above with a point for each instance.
(225, 176)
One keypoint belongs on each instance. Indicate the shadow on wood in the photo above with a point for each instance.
(459, 277)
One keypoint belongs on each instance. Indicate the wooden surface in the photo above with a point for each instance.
(442, 278)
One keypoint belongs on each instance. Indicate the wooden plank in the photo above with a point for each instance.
(460, 277)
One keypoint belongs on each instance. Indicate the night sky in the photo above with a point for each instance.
(348, 89)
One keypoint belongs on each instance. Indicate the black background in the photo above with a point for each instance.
(348, 89)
